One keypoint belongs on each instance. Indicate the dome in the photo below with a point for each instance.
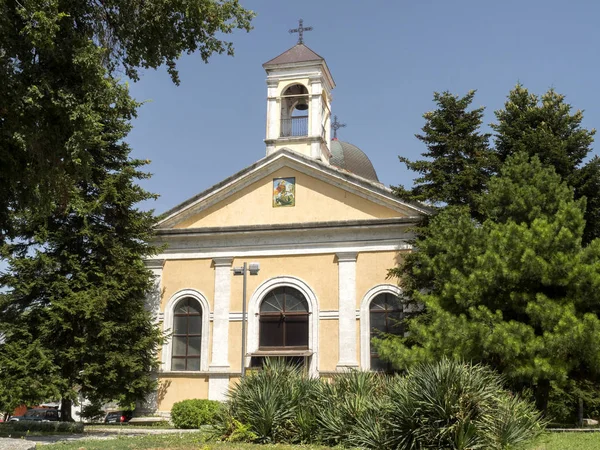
(351, 158)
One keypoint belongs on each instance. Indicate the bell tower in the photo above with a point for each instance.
(299, 87)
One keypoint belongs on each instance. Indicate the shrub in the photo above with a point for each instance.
(450, 404)
(349, 399)
(446, 404)
(47, 427)
(277, 404)
(194, 412)
(92, 412)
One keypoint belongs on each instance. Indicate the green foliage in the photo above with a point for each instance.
(355, 401)
(459, 161)
(440, 405)
(451, 404)
(57, 58)
(47, 427)
(277, 403)
(92, 412)
(545, 126)
(563, 404)
(76, 283)
(516, 291)
(195, 412)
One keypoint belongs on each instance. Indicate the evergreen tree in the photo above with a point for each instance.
(547, 127)
(46, 99)
(73, 318)
(516, 291)
(459, 160)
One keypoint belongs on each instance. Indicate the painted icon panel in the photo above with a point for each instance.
(284, 192)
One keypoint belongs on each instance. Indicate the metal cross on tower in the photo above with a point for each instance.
(300, 30)
(336, 126)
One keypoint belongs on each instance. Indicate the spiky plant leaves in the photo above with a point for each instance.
(455, 405)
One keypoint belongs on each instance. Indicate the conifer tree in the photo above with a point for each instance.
(547, 127)
(517, 291)
(76, 279)
(459, 160)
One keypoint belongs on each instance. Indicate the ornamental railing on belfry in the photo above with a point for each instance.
(296, 126)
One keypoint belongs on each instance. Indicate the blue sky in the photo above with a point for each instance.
(387, 59)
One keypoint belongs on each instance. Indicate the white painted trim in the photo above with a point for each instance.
(347, 308)
(313, 321)
(219, 358)
(365, 325)
(274, 251)
(168, 325)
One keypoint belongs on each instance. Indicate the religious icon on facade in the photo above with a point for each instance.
(284, 192)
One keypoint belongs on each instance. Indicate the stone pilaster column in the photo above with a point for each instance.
(218, 381)
(347, 310)
(154, 297)
(153, 303)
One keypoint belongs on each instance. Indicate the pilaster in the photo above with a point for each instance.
(218, 380)
(347, 310)
(154, 296)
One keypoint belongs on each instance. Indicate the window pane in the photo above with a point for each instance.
(378, 364)
(296, 331)
(194, 346)
(179, 344)
(378, 303)
(273, 302)
(294, 301)
(194, 324)
(193, 363)
(180, 325)
(194, 307)
(271, 332)
(395, 324)
(181, 307)
(393, 302)
(377, 321)
(178, 364)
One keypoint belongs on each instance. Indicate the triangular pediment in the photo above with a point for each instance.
(288, 188)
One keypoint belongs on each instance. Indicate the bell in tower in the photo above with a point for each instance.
(299, 88)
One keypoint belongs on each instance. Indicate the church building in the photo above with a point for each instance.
(288, 257)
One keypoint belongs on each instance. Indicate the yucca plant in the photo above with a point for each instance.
(277, 403)
(347, 400)
(456, 405)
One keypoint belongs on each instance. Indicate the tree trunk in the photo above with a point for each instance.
(542, 393)
(580, 413)
(65, 410)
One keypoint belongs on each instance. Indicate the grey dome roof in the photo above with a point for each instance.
(351, 158)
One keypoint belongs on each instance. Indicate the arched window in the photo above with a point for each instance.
(283, 320)
(385, 316)
(187, 335)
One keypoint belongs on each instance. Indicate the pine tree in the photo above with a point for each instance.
(459, 160)
(546, 127)
(76, 278)
(517, 291)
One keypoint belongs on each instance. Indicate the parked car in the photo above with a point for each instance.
(118, 416)
(38, 415)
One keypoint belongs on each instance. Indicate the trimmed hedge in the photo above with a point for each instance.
(46, 427)
(194, 412)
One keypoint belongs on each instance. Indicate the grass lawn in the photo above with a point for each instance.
(570, 441)
(196, 441)
(188, 441)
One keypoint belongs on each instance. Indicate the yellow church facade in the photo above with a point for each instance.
(315, 233)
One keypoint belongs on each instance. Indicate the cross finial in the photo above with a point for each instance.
(300, 30)
(336, 126)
